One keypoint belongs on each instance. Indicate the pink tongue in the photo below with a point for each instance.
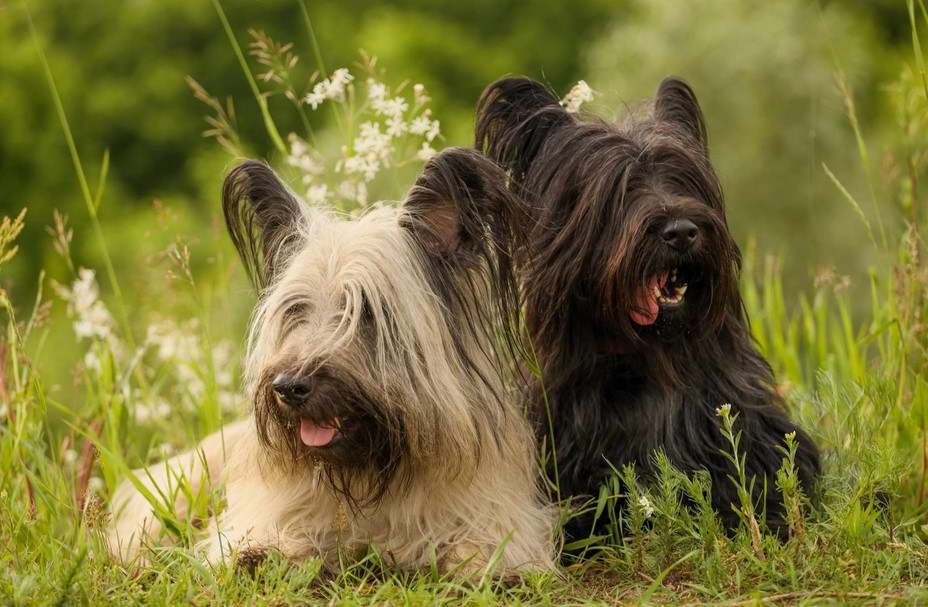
(315, 436)
(646, 309)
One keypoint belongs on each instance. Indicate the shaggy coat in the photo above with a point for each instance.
(377, 368)
(631, 298)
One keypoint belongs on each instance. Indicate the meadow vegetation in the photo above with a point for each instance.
(105, 366)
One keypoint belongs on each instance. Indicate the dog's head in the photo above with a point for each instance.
(374, 347)
(629, 231)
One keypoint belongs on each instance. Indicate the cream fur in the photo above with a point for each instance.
(471, 455)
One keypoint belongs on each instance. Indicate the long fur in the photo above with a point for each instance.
(598, 195)
(401, 319)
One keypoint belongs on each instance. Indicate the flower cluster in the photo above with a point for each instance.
(581, 93)
(373, 148)
(91, 318)
(332, 88)
(182, 346)
(386, 123)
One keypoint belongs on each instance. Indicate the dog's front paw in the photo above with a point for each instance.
(464, 561)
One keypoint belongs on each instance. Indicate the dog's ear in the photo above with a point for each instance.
(460, 205)
(513, 119)
(469, 225)
(263, 218)
(675, 102)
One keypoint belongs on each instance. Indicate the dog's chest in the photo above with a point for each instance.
(639, 418)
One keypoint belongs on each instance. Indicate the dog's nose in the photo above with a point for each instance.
(293, 390)
(680, 234)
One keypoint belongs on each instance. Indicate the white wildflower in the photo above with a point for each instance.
(91, 318)
(434, 131)
(339, 80)
(143, 413)
(175, 342)
(376, 91)
(424, 125)
(360, 193)
(420, 125)
(419, 96)
(396, 127)
(304, 158)
(353, 190)
(580, 94)
(92, 360)
(298, 148)
(158, 409)
(425, 152)
(372, 150)
(315, 98)
(329, 88)
(395, 107)
(95, 484)
(368, 166)
(69, 456)
(372, 141)
(317, 194)
(646, 506)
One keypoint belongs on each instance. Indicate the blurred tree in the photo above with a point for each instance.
(764, 73)
(120, 69)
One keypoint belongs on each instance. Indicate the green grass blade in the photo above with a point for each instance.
(82, 180)
(261, 99)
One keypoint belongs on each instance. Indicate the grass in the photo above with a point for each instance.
(858, 381)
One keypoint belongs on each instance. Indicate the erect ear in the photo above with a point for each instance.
(263, 218)
(469, 226)
(676, 102)
(514, 116)
(460, 207)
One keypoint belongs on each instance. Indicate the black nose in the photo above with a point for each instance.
(293, 390)
(681, 234)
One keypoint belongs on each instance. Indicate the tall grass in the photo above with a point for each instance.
(859, 382)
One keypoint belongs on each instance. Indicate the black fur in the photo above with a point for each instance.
(600, 196)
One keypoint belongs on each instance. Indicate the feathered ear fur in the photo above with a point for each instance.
(460, 199)
(468, 224)
(263, 218)
(675, 102)
(514, 117)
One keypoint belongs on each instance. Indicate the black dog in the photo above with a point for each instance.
(630, 288)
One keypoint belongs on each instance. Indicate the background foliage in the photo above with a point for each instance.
(94, 380)
(763, 71)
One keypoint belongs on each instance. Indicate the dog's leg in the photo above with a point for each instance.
(134, 516)
(268, 509)
(525, 542)
(466, 560)
(503, 525)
